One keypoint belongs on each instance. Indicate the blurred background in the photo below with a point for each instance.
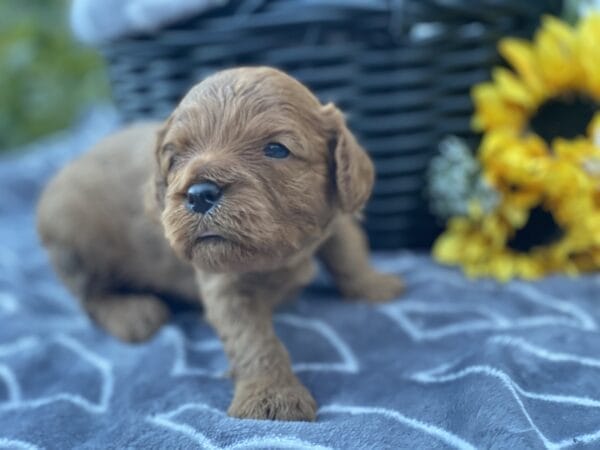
(47, 78)
(403, 71)
(425, 85)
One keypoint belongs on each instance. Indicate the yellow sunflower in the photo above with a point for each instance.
(481, 249)
(552, 97)
(541, 152)
(535, 230)
(555, 73)
(553, 93)
(508, 160)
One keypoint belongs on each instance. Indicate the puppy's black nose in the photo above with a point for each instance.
(202, 197)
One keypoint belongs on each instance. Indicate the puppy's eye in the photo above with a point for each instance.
(168, 157)
(276, 150)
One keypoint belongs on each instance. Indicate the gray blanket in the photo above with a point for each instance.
(453, 364)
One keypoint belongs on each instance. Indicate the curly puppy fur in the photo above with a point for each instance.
(120, 236)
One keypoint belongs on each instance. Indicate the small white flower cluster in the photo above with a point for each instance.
(455, 181)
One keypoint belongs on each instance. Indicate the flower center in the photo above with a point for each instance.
(541, 229)
(567, 116)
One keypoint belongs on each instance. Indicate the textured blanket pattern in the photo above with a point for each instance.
(454, 364)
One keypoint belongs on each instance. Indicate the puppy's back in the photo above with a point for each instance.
(91, 215)
(107, 176)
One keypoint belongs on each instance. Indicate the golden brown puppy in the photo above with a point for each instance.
(248, 179)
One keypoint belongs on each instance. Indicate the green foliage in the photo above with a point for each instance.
(46, 78)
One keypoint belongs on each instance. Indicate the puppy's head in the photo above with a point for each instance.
(252, 169)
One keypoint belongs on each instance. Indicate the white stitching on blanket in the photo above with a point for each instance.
(22, 344)
(166, 420)
(17, 444)
(102, 365)
(568, 307)
(526, 346)
(394, 312)
(581, 439)
(180, 365)
(434, 376)
(523, 290)
(348, 363)
(11, 383)
(574, 316)
(432, 430)
(418, 306)
(428, 378)
(425, 378)
(7, 375)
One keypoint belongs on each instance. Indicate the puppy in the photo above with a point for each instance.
(227, 203)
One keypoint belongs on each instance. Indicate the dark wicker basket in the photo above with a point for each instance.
(402, 86)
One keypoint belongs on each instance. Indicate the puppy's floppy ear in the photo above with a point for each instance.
(158, 185)
(353, 169)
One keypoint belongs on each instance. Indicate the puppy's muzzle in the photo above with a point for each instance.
(202, 197)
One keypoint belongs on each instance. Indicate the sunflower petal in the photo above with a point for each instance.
(521, 56)
(560, 30)
(556, 64)
(492, 111)
(511, 88)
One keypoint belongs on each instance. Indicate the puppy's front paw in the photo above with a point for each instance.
(132, 318)
(374, 287)
(265, 399)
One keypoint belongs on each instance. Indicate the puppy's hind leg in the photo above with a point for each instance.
(346, 256)
(131, 318)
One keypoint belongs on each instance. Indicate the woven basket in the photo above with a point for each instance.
(403, 86)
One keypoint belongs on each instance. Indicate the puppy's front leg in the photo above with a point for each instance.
(265, 386)
(346, 256)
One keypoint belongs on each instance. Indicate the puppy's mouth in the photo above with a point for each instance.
(209, 238)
